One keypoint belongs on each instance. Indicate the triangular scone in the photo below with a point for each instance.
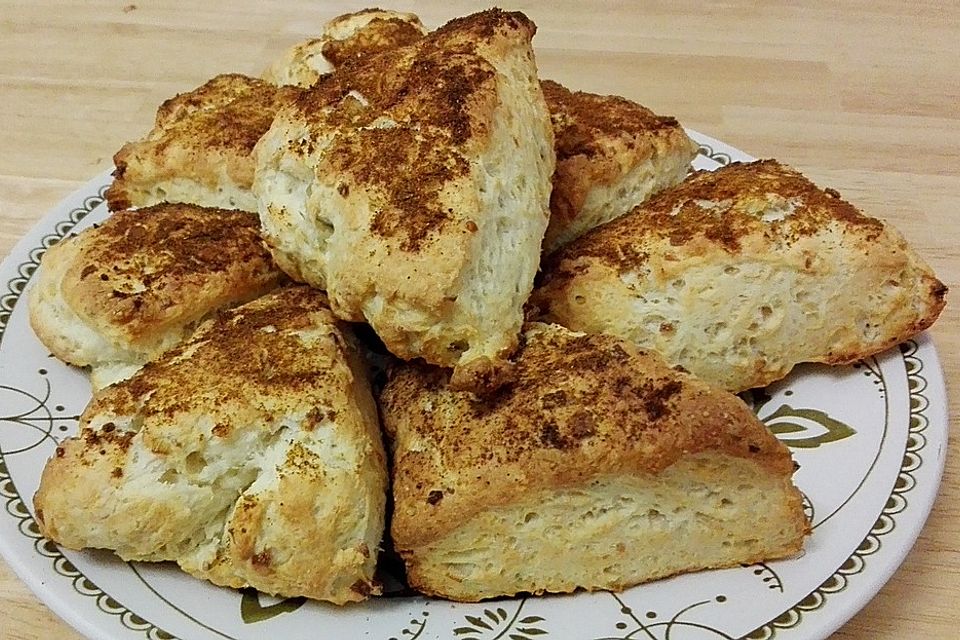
(250, 455)
(345, 37)
(612, 154)
(414, 187)
(119, 294)
(600, 467)
(739, 274)
(199, 148)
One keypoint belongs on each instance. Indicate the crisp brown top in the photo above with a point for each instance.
(379, 35)
(721, 208)
(583, 122)
(581, 406)
(256, 350)
(144, 269)
(201, 135)
(406, 119)
(230, 111)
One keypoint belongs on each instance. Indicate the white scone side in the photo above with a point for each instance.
(741, 274)
(414, 189)
(250, 455)
(598, 467)
(614, 531)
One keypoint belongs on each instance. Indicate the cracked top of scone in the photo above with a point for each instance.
(145, 270)
(723, 208)
(205, 136)
(346, 37)
(587, 124)
(425, 107)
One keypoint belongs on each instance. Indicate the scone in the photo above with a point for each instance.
(345, 37)
(199, 149)
(119, 294)
(612, 154)
(413, 186)
(599, 468)
(250, 455)
(738, 275)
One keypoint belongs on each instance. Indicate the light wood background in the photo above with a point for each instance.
(861, 96)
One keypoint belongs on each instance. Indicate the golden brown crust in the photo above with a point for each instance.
(380, 34)
(236, 454)
(441, 93)
(723, 208)
(740, 274)
(396, 183)
(143, 271)
(581, 406)
(600, 139)
(204, 136)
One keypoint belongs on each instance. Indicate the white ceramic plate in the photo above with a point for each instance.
(869, 438)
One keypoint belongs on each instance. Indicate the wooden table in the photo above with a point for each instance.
(862, 98)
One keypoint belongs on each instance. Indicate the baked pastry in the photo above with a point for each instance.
(199, 149)
(610, 470)
(612, 154)
(345, 37)
(118, 294)
(250, 455)
(737, 275)
(413, 186)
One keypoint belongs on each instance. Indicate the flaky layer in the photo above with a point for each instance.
(615, 531)
(612, 154)
(578, 406)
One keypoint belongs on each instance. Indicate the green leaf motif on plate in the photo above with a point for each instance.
(252, 611)
(800, 426)
(495, 621)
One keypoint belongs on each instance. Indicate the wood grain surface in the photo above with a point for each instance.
(860, 96)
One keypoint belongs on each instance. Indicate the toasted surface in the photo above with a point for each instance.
(413, 186)
(490, 494)
(250, 455)
(738, 275)
(612, 154)
(346, 37)
(199, 148)
(120, 293)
